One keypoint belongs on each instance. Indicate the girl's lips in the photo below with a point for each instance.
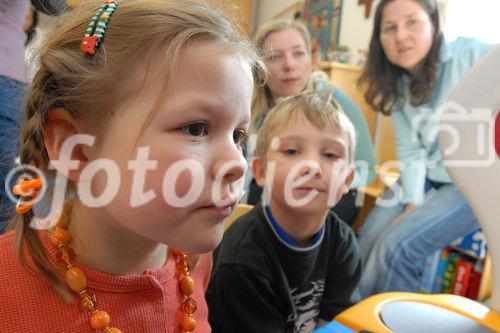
(221, 212)
(223, 208)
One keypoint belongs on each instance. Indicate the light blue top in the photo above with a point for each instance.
(414, 147)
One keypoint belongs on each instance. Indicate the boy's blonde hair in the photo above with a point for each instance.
(318, 108)
(89, 87)
(262, 99)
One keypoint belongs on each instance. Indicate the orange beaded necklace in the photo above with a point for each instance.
(76, 280)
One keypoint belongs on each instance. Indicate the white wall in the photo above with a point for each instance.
(355, 29)
(480, 21)
(267, 9)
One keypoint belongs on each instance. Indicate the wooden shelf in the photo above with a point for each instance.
(486, 280)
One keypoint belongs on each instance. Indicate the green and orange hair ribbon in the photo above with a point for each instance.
(97, 27)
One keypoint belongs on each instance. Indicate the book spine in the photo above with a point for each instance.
(443, 262)
(462, 276)
(449, 274)
(475, 281)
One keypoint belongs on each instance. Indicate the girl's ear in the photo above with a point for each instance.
(61, 125)
(259, 171)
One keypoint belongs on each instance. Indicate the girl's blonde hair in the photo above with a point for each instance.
(318, 108)
(89, 87)
(262, 99)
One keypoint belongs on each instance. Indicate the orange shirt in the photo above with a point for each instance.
(138, 303)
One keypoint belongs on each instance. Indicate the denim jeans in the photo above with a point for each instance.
(11, 104)
(395, 254)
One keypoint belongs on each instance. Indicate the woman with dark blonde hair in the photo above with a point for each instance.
(409, 74)
(285, 47)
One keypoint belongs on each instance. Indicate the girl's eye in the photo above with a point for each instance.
(240, 137)
(290, 151)
(195, 129)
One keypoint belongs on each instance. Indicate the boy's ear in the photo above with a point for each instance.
(61, 125)
(350, 177)
(259, 171)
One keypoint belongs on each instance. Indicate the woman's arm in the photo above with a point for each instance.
(410, 152)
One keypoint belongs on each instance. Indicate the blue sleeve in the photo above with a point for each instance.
(409, 152)
(470, 50)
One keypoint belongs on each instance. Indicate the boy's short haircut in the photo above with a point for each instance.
(319, 108)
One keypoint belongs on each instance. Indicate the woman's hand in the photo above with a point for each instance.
(408, 208)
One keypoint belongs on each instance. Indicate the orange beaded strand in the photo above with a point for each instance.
(186, 285)
(75, 278)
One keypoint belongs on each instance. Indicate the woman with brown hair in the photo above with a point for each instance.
(409, 74)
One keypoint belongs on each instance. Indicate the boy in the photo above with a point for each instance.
(289, 265)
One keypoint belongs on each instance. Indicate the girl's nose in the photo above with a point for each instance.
(230, 164)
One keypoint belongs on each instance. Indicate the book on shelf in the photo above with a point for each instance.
(457, 269)
(441, 269)
(449, 274)
(475, 281)
(473, 244)
(462, 275)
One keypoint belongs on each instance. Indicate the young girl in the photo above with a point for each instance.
(141, 106)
